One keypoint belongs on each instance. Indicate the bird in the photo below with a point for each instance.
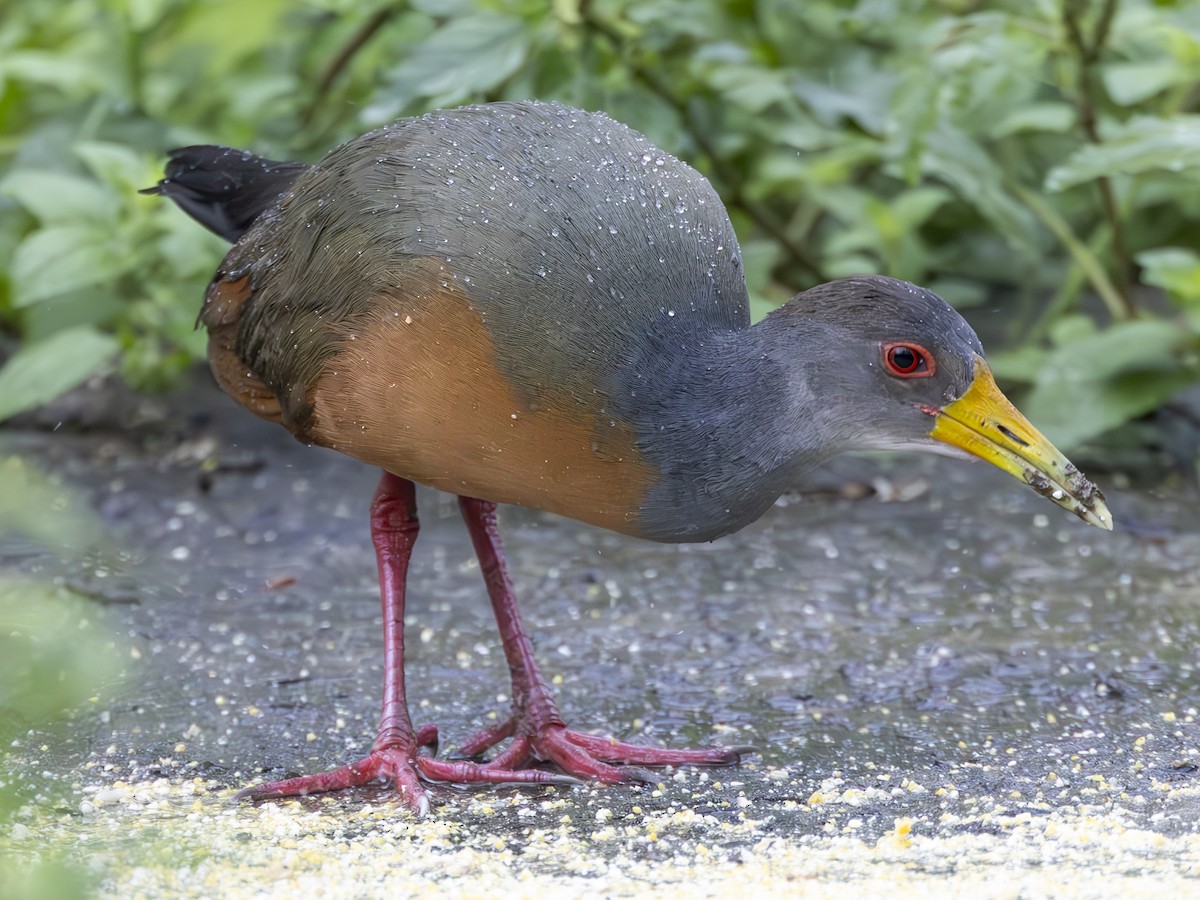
(526, 303)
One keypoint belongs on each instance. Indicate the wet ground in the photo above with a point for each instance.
(963, 690)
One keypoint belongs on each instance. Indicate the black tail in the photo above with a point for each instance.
(224, 190)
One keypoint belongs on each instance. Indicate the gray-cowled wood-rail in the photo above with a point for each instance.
(527, 303)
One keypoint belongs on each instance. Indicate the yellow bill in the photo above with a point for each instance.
(985, 424)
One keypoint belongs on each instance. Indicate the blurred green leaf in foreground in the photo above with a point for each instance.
(57, 657)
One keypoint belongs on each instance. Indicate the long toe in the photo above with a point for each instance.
(482, 741)
(460, 772)
(588, 757)
(406, 770)
(592, 758)
(555, 746)
(619, 753)
(383, 764)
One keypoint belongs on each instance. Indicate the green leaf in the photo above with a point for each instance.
(759, 257)
(1132, 82)
(959, 292)
(851, 264)
(114, 164)
(443, 8)
(1072, 328)
(59, 259)
(1175, 270)
(96, 304)
(804, 134)
(955, 158)
(568, 11)
(837, 165)
(143, 14)
(1141, 145)
(39, 506)
(1100, 381)
(73, 74)
(231, 30)
(461, 59)
(55, 198)
(53, 656)
(912, 208)
(1046, 117)
(39, 372)
(1020, 364)
(753, 88)
(865, 102)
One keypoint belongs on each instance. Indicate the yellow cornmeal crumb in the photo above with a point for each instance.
(185, 838)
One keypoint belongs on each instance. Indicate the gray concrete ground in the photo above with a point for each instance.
(963, 691)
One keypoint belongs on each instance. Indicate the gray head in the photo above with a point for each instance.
(877, 363)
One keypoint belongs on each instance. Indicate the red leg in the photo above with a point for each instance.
(537, 729)
(399, 754)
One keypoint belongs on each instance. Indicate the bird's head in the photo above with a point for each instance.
(890, 365)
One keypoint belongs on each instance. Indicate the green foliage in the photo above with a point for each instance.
(57, 655)
(1141, 145)
(53, 655)
(1116, 374)
(1046, 153)
(49, 876)
(41, 370)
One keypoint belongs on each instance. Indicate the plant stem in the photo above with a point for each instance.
(343, 58)
(734, 194)
(1118, 305)
(1088, 55)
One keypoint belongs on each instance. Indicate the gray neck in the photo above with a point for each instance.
(721, 423)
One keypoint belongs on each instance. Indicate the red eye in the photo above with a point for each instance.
(908, 360)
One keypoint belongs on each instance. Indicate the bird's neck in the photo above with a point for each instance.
(717, 417)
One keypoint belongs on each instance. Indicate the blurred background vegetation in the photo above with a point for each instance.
(1036, 157)
(60, 656)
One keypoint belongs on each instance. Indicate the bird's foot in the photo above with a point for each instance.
(588, 757)
(406, 764)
